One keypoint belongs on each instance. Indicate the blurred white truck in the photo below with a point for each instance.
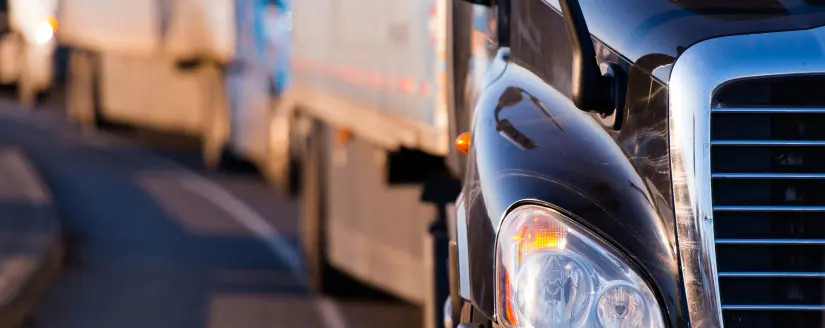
(199, 67)
(367, 119)
(27, 46)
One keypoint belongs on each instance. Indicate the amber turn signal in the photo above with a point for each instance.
(53, 22)
(462, 143)
(343, 136)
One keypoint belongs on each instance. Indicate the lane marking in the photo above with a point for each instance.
(247, 217)
(330, 312)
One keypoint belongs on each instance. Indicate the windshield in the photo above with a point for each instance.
(751, 9)
(636, 28)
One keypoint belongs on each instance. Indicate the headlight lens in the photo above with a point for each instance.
(552, 274)
(44, 31)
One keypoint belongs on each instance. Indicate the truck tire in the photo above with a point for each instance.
(312, 208)
(82, 88)
(216, 127)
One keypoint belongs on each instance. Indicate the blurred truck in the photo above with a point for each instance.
(198, 67)
(27, 46)
(367, 118)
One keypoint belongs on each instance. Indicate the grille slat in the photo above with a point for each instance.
(757, 274)
(770, 258)
(725, 241)
(757, 208)
(763, 307)
(768, 192)
(770, 110)
(768, 175)
(790, 143)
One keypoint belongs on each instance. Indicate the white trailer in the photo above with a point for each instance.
(199, 67)
(367, 118)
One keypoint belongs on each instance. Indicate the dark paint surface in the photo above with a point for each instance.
(663, 28)
(530, 142)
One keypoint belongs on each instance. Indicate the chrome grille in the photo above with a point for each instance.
(768, 187)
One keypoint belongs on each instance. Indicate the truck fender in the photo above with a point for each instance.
(530, 144)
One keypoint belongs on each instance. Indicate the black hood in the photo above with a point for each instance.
(664, 28)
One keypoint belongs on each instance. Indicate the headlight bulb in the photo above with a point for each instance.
(621, 306)
(553, 290)
(43, 32)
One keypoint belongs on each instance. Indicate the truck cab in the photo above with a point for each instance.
(645, 163)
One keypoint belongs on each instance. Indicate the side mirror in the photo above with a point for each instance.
(592, 91)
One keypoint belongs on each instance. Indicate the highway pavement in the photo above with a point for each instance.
(152, 239)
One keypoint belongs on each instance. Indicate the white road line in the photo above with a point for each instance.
(250, 219)
(331, 313)
(238, 210)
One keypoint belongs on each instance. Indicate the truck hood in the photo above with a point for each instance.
(662, 29)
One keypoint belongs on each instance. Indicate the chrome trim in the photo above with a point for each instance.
(758, 208)
(768, 143)
(763, 241)
(772, 274)
(778, 176)
(763, 307)
(463, 248)
(695, 76)
(769, 110)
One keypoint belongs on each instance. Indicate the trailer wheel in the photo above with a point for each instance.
(216, 125)
(82, 88)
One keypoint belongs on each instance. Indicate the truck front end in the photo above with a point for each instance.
(692, 199)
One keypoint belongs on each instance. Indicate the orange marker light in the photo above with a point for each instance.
(53, 22)
(509, 313)
(462, 143)
(343, 136)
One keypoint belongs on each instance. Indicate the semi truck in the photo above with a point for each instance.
(199, 67)
(645, 163)
(364, 130)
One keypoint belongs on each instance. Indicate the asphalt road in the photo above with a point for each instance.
(154, 240)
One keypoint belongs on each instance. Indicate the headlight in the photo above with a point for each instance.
(44, 31)
(552, 273)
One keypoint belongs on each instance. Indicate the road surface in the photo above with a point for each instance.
(154, 240)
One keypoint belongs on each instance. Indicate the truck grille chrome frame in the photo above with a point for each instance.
(695, 77)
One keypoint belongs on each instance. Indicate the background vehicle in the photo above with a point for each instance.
(655, 173)
(367, 119)
(193, 66)
(27, 46)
